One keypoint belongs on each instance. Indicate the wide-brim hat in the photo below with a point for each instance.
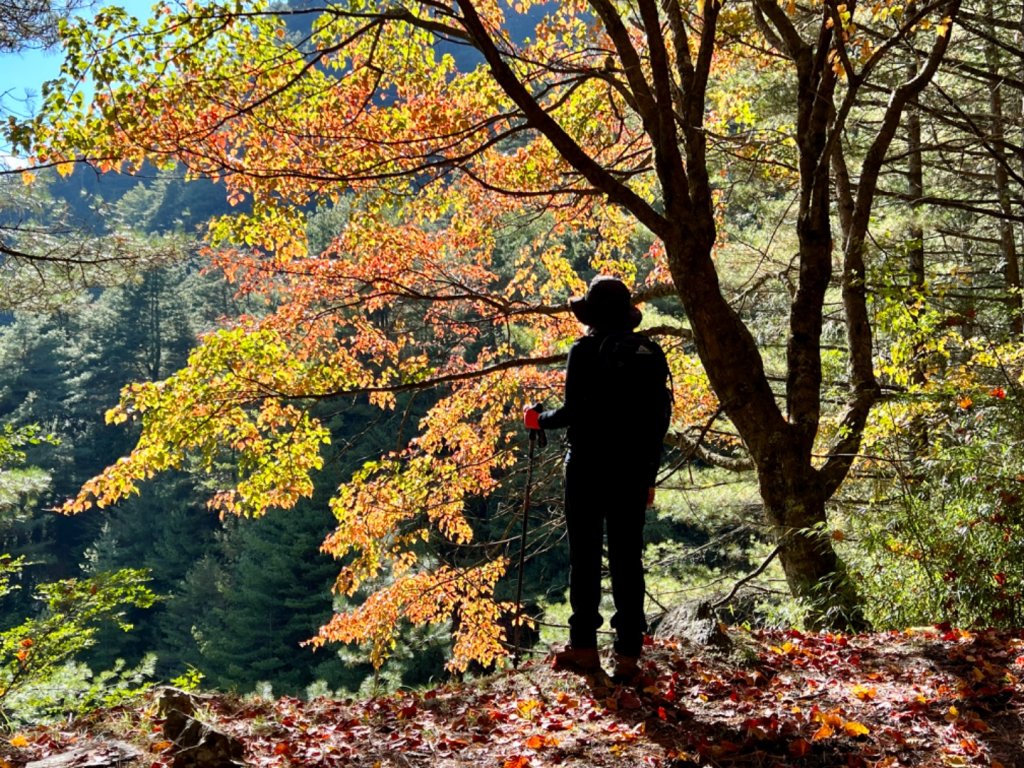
(607, 305)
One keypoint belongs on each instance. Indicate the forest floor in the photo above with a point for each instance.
(927, 697)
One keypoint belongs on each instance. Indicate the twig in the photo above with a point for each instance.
(749, 577)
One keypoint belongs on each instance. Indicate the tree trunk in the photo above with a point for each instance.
(794, 499)
(918, 442)
(1007, 241)
(915, 190)
(793, 491)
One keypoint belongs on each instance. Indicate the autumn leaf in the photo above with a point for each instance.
(799, 748)
(527, 707)
(855, 729)
(825, 732)
(538, 741)
(864, 692)
(18, 740)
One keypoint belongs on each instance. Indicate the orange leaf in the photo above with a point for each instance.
(824, 732)
(519, 761)
(534, 742)
(18, 740)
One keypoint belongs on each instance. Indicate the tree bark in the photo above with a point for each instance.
(1007, 241)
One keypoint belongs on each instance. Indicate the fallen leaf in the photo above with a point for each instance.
(527, 707)
(799, 748)
(824, 732)
(865, 692)
(854, 729)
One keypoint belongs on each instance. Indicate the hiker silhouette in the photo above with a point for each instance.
(616, 409)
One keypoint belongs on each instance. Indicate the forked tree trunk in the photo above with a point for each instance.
(793, 491)
(794, 504)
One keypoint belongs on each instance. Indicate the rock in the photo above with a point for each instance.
(177, 708)
(196, 745)
(200, 746)
(696, 622)
(107, 754)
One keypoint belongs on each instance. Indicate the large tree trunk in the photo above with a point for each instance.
(793, 491)
(794, 503)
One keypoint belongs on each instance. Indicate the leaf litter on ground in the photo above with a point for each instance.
(940, 697)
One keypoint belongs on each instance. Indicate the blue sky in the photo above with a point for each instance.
(23, 74)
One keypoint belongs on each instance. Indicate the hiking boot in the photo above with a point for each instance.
(582, 660)
(627, 669)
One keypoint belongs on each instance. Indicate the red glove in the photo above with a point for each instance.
(531, 417)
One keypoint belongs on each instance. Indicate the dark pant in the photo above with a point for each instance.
(597, 496)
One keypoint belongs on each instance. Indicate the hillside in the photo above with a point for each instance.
(930, 697)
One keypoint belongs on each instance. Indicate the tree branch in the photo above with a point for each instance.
(566, 146)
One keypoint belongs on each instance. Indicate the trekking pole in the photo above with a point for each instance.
(517, 621)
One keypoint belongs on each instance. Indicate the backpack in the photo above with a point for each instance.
(635, 377)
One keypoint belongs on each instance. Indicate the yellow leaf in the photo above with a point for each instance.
(527, 707)
(853, 728)
(19, 740)
(864, 692)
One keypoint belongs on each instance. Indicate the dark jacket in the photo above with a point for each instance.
(595, 426)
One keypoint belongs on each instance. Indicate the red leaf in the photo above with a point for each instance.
(799, 748)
